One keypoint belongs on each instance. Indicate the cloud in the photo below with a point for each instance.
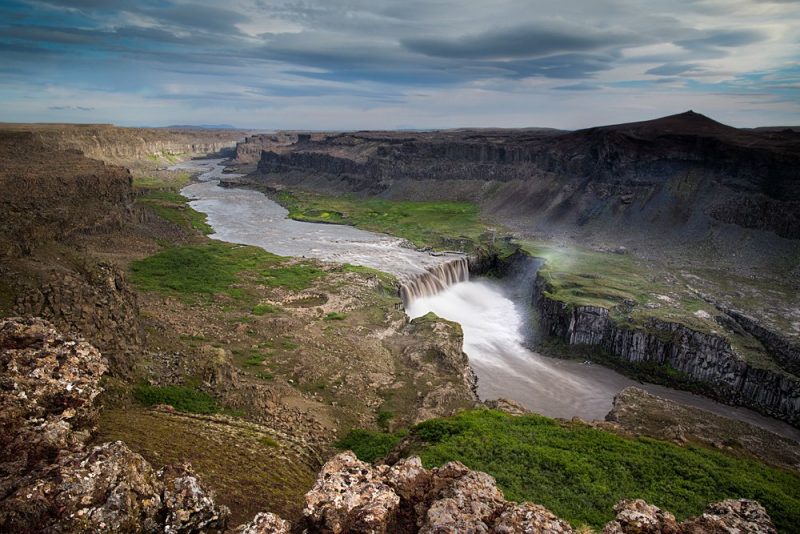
(347, 56)
(524, 41)
(70, 108)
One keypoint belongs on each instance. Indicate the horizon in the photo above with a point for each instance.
(350, 65)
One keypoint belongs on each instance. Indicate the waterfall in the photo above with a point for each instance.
(435, 279)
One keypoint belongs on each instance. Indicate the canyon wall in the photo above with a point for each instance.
(676, 177)
(49, 195)
(124, 145)
(704, 358)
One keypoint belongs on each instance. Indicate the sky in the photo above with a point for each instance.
(392, 64)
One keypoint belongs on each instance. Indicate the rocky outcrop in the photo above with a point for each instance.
(94, 302)
(48, 195)
(705, 358)
(729, 516)
(249, 150)
(50, 480)
(351, 496)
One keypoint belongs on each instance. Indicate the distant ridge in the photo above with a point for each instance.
(203, 126)
(688, 122)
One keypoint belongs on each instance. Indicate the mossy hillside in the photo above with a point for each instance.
(580, 472)
(439, 225)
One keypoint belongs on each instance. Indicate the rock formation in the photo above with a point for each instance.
(124, 145)
(50, 478)
(49, 195)
(681, 175)
(351, 496)
(705, 358)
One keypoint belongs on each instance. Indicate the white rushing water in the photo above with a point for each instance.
(493, 318)
(495, 323)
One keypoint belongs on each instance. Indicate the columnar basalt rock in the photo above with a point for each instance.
(706, 358)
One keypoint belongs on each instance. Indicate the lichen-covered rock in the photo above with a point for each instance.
(351, 496)
(731, 516)
(462, 500)
(49, 480)
(530, 518)
(48, 385)
(189, 506)
(638, 517)
(265, 523)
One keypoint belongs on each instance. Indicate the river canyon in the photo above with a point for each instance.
(495, 314)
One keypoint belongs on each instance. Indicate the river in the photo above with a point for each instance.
(493, 314)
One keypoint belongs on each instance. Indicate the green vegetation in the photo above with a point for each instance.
(637, 293)
(174, 208)
(263, 309)
(384, 418)
(168, 182)
(335, 316)
(184, 399)
(440, 225)
(580, 472)
(295, 277)
(369, 445)
(214, 267)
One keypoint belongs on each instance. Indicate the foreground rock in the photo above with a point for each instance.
(49, 479)
(353, 496)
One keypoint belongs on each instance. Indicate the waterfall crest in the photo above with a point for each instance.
(435, 279)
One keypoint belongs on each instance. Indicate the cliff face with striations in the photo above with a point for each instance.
(705, 358)
(49, 195)
(124, 145)
(678, 176)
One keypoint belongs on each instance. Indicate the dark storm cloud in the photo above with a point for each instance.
(722, 39)
(524, 41)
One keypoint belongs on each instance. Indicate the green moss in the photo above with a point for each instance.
(295, 277)
(263, 309)
(580, 472)
(441, 225)
(268, 441)
(335, 316)
(368, 445)
(198, 269)
(184, 399)
(174, 208)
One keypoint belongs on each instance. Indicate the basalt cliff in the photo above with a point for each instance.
(676, 178)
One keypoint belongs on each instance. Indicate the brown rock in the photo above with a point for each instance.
(638, 517)
(265, 523)
(350, 496)
(530, 519)
(731, 516)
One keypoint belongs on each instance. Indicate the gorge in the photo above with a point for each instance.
(494, 314)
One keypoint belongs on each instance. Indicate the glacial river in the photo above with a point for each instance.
(493, 314)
